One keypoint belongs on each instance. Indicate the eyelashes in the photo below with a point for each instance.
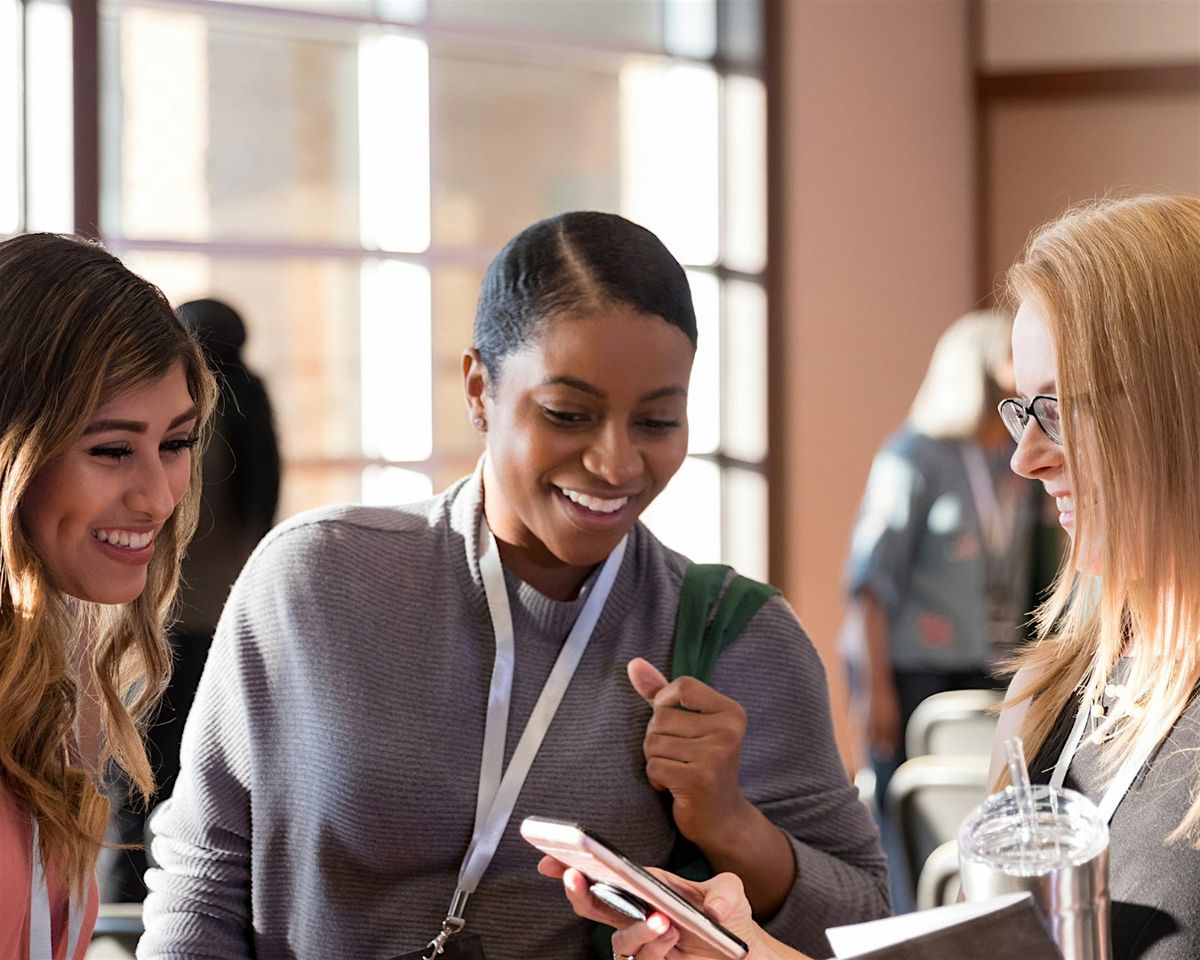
(566, 419)
(120, 451)
(178, 446)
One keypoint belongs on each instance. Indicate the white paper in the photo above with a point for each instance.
(860, 938)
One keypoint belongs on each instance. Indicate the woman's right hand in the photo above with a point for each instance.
(656, 938)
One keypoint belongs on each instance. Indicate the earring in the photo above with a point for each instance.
(479, 423)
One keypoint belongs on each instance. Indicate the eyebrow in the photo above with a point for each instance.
(584, 387)
(135, 426)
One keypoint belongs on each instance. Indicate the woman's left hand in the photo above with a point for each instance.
(692, 746)
(656, 938)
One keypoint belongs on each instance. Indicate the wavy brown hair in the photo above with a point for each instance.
(77, 329)
(1118, 284)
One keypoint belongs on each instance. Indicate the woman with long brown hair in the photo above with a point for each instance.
(103, 394)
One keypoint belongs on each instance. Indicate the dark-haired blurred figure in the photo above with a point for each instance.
(241, 494)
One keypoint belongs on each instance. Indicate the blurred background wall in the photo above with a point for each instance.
(916, 144)
(842, 178)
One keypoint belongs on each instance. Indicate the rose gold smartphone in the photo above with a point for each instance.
(601, 863)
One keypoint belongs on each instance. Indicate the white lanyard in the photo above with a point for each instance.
(1121, 781)
(993, 527)
(41, 946)
(498, 793)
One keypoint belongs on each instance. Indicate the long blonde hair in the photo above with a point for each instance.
(960, 387)
(1118, 284)
(76, 329)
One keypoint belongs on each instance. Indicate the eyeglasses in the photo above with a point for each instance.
(1043, 408)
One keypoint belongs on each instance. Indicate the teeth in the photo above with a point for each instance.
(1064, 504)
(124, 538)
(594, 503)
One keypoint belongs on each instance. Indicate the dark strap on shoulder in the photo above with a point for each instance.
(700, 633)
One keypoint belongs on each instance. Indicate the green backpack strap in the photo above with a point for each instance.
(711, 615)
(700, 636)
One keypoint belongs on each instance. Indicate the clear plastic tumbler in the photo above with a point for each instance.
(1052, 844)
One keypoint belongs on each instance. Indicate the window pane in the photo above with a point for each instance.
(397, 422)
(745, 142)
(669, 150)
(346, 8)
(10, 116)
(517, 142)
(302, 320)
(393, 141)
(745, 365)
(746, 522)
(704, 392)
(400, 11)
(308, 485)
(265, 128)
(616, 23)
(690, 27)
(50, 182)
(388, 485)
(741, 30)
(455, 290)
(687, 514)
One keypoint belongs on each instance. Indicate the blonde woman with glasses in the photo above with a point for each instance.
(1106, 349)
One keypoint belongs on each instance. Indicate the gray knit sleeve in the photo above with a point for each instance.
(791, 770)
(198, 905)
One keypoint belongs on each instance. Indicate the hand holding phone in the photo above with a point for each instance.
(602, 864)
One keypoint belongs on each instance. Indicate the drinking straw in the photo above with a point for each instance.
(1018, 773)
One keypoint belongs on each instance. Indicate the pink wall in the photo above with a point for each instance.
(874, 256)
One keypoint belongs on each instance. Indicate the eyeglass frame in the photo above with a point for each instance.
(1027, 409)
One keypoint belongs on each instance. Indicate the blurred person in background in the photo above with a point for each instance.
(943, 558)
(240, 496)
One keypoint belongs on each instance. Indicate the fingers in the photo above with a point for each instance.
(672, 722)
(694, 695)
(646, 678)
(549, 867)
(649, 940)
(584, 904)
(722, 894)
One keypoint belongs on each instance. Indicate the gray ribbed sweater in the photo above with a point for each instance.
(331, 761)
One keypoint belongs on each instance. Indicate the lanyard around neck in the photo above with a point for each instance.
(41, 944)
(499, 788)
(994, 527)
(1122, 780)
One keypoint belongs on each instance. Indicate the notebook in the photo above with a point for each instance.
(1003, 928)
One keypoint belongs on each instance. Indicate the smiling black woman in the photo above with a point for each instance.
(350, 779)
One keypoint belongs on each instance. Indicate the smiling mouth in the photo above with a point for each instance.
(595, 504)
(125, 539)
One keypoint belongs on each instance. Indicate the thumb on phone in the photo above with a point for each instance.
(646, 678)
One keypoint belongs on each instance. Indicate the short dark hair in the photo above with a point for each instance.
(576, 263)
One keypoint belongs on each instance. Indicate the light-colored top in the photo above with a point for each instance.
(920, 546)
(331, 761)
(16, 873)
